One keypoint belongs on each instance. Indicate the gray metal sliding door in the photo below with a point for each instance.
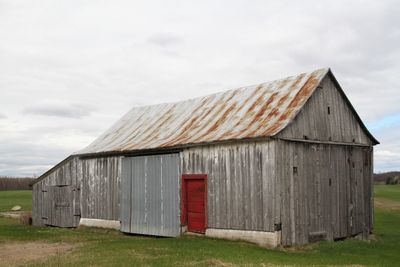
(150, 195)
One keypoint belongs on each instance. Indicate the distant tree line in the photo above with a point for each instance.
(387, 178)
(393, 180)
(14, 183)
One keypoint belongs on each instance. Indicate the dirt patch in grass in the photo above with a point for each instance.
(217, 262)
(209, 262)
(221, 263)
(18, 253)
(13, 214)
(142, 255)
(386, 204)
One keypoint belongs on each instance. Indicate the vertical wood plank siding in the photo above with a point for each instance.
(68, 174)
(96, 183)
(241, 184)
(325, 188)
(331, 190)
(101, 178)
(317, 123)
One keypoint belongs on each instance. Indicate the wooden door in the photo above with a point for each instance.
(194, 197)
(62, 206)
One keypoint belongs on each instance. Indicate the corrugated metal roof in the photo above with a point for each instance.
(255, 111)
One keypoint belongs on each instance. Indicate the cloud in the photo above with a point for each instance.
(387, 159)
(73, 111)
(2, 116)
(387, 154)
(112, 55)
(164, 39)
(22, 158)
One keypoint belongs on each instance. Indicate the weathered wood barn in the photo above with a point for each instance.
(281, 163)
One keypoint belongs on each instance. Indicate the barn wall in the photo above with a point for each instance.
(67, 174)
(100, 188)
(241, 184)
(326, 191)
(316, 123)
(97, 182)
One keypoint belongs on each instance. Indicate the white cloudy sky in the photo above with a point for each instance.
(69, 69)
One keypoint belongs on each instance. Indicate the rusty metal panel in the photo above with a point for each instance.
(150, 201)
(255, 111)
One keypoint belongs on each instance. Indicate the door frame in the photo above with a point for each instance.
(185, 178)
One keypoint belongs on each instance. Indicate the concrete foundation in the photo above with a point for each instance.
(184, 229)
(100, 223)
(264, 239)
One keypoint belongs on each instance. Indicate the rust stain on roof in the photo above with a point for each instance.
(254, 111)
(301, 97)
(221, 120)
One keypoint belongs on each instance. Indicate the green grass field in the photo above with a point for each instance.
(106, 247)
(9, 199)
(391, 192)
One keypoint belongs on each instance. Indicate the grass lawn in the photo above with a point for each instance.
(106, 247)
(391, 192)
(9, 199)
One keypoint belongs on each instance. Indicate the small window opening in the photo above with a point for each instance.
(295, 170)
(330, 181)
(354, 140)
(305, 137)
(329, 110)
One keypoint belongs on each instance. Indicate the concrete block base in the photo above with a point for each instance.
(264, 239)
(100, 223)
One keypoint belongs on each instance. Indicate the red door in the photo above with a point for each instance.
(194, 198)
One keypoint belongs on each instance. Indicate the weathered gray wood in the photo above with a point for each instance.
(329, 194)
(36, 204)
(241, 182)
(60, 209)
(340, 125)
(96, 185)
(44, 201)
(100, 188)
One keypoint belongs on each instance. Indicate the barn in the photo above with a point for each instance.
(280, 163)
